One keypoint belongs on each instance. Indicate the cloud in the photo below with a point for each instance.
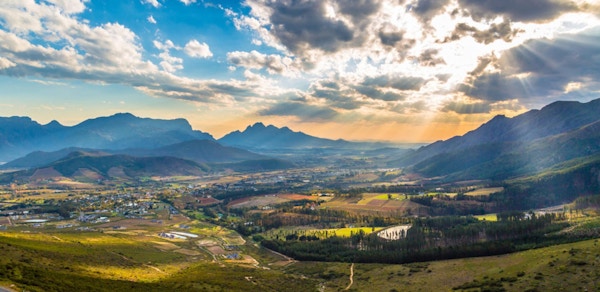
(501, 31)
(151, 19)
(359, 10)
(188, 2)
(467, 108)
(397, 82)
(518, 10)
(430, 58)
(374, 93)
(70, 6)
(390, 38)
(427, 9)
(541, 69)
(301, 26)
(274, 64)
(197, 50)
(6, 63)
(154, 3)
(303, 111)
(168, 63)
(109, 53)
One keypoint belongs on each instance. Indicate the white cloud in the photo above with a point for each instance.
(6, 63)
(151, 19)
(274, 64)
(188, 2)
(154, 3)
(340, 50)
(169, 63)
(109, 53)
(70, 6)
(197, 50)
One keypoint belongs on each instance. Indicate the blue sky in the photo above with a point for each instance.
(397, 70)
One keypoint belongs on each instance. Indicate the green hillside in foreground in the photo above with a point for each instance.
(119, 262)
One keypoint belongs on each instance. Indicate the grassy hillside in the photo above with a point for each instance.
(92, 261)
(104, 262)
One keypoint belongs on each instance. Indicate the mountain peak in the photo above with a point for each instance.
(54, 124)
(255, 126)
(259, 136)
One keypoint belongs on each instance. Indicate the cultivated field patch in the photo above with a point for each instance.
(267, 200)
(484, 191)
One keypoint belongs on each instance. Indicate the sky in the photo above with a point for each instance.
(391, 70)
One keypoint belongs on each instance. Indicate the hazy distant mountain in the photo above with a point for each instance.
(258, 165)
(84, 166)
(508, 147)
(259, 136)
(41, 158)
(203, 151)
(20, 136)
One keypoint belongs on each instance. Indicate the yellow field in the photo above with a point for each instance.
(484, 191)
(340, 232)
(487, 217)
(368, 197)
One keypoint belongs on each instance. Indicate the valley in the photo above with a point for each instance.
(486, 211)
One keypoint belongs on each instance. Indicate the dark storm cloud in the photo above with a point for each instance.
(542, 69)
(518, 10)
(498, 31)
(303, 24)
(300, 110)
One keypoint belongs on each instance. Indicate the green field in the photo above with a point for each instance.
(569, 267)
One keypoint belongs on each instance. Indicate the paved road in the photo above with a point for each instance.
(5, 289)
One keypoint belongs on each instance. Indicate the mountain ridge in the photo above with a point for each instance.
(259, 136)
(508, 147)
(21, 135)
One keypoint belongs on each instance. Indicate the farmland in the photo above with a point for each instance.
(128, 260)
(183, 236)
(373, 203)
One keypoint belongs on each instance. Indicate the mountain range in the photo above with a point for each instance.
(259, 136)
(21, 135)
(501, 148)
(96, 166)
(508, 147)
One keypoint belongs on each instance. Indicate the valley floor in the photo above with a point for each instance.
(126, 261)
